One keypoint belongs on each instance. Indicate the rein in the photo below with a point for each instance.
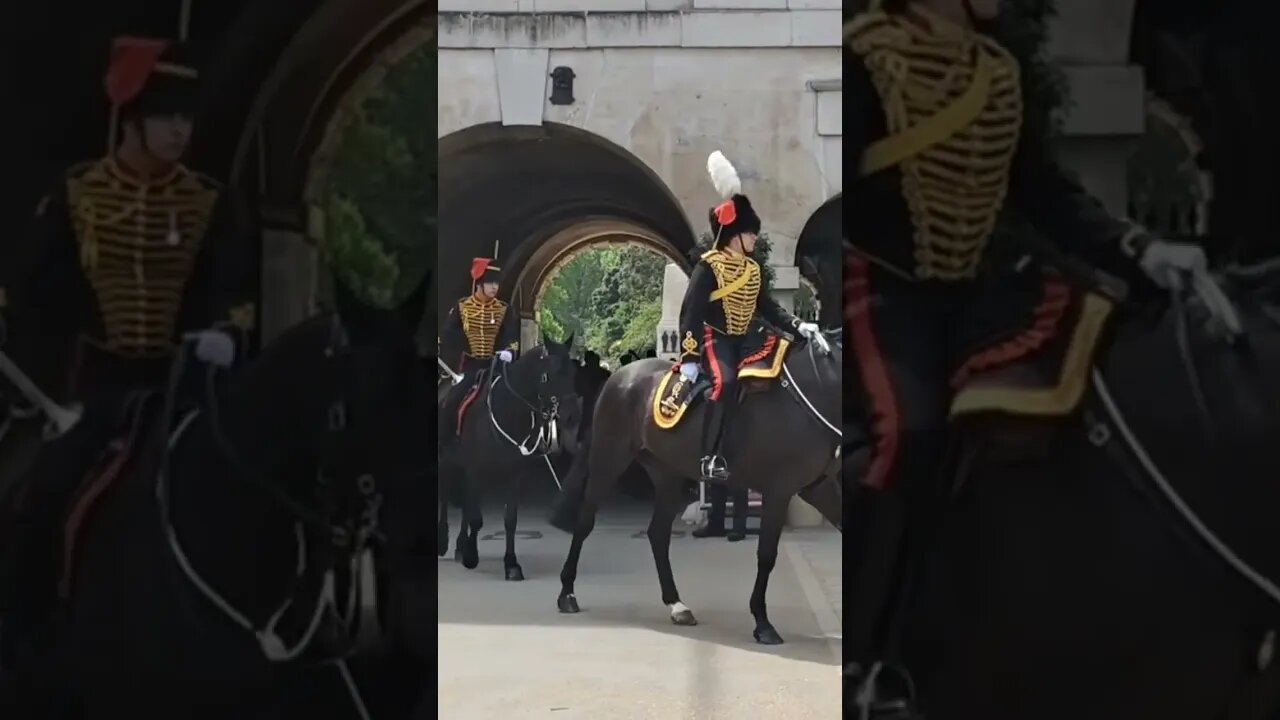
(543, 430)
(790, 383)
(342, 537)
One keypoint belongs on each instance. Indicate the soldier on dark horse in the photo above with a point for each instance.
(945, 324)
(506, 409)
(132, 258)
(478, 329)
(784, 439)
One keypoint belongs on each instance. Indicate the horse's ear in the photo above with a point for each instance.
(367, 324)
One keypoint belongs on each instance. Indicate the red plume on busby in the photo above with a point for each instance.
(483, 270)
(734, 215)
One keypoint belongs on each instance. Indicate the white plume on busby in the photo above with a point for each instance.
(723, 175)
(735, 215)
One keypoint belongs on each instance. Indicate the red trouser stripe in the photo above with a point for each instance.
(875, 376)
(712, 363)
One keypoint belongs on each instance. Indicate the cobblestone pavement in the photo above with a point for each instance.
(506, 653)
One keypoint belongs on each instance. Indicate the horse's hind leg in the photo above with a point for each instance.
(512, 567)
(827, 498)
(668, 502)
(442, 525)
(774, 514)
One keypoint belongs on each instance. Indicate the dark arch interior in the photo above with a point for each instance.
(518, 186)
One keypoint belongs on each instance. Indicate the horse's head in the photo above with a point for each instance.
(334, 411)
(547, 377)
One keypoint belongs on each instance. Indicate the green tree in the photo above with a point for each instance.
(380, 193)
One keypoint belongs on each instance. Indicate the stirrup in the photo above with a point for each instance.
(714, 467)
(870, 704)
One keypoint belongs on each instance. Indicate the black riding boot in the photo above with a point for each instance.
(714, 466)
(875, 688)
(714, 526)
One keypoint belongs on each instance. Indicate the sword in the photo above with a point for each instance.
(61, 419)
(455, 377)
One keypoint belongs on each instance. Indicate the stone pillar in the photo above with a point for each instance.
(289, 281)
(529, 333)
(674, 284)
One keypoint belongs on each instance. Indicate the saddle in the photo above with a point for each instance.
(675, 394)
(139, 413)
(1041, 370)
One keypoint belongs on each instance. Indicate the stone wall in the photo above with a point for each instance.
(669, 82)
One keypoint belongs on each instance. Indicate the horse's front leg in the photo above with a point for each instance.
(667, 504)
(773, 516)
(513, 570)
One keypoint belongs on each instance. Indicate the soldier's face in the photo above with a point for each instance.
(490, 289)
(748, 242)
(167, 136)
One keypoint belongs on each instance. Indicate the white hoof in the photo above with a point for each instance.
(682, 615)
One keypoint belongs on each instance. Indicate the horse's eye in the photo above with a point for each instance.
(544, 377)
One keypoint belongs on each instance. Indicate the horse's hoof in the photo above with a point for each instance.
(457, 554)
(470, 560)
(682, 615)
(568, 604)
(767, 636)
(514, 573)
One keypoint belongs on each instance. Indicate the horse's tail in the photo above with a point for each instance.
(567, 506)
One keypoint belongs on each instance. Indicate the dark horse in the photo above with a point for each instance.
(524, 412)
(1118, 561)
(204, 582)
(783, 441)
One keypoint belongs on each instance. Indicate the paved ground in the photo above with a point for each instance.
(506, 653)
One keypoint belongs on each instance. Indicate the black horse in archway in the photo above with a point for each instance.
(1108, 546)
(784, 441)
(523, 413)
(206, 580)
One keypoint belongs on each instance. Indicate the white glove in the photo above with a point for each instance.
(689, 370)
(215, 347)
(504, 356)
(1165, 262)
(808, 330)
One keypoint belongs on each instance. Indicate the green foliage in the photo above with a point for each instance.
(609, 298)
(380, 194)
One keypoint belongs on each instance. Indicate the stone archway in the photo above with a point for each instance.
(540, 193)
(285, 141)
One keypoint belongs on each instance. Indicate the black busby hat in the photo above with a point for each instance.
(735, 215)
(149, 76)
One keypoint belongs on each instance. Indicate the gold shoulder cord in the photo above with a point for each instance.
(953, 107)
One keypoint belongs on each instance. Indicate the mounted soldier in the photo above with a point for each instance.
(479, 330)
(721, 303)
(940, 146)
(130, 258)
